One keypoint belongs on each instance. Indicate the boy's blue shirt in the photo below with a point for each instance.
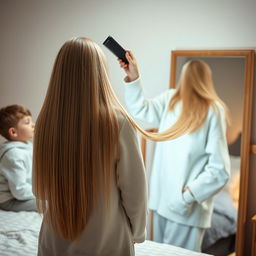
(16, 171)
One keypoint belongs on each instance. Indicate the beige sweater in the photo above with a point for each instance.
(110, 232)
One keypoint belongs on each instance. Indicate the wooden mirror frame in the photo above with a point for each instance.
(246, 126)
(246, 148)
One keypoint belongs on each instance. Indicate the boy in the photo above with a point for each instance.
(16, 159)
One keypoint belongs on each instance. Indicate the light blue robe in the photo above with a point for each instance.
(199, 161)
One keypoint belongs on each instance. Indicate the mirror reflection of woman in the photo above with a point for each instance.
(191, 163)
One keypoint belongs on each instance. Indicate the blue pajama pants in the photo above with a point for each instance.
(169, 232)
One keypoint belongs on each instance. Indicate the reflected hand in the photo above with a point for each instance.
(184, 189)
(131, 69)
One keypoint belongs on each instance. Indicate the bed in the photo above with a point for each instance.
(19, 235)
(220, 238)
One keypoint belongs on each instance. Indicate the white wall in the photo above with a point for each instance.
(32, 32)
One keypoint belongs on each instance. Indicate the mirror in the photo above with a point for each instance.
(232, 72)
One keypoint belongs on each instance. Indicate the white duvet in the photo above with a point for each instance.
(19, 235)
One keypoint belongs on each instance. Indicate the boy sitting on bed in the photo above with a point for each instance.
(16, 159)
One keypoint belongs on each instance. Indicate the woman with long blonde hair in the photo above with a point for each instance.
(88, 173)
(191, 163)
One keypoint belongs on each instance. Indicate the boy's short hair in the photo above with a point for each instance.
(10, 116)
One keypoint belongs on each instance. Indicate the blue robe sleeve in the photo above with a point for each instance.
(146, 110)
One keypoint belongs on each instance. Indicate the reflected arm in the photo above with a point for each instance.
(146, 110)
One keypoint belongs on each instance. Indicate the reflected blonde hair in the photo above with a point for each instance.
(76, 142)
(196, 93)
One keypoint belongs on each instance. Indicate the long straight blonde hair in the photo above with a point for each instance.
(76, 142)
(196, 92)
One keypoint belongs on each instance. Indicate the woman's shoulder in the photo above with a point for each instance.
(123, 122)
(121, 118)
(216, 108)
(170, 92)
(127, 130)
(165, 97)
(216, 111)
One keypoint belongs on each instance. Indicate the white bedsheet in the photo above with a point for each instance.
(19, 234)
(150, 248)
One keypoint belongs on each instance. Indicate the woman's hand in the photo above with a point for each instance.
(131, 69)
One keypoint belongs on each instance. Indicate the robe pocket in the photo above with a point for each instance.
(181, 207)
